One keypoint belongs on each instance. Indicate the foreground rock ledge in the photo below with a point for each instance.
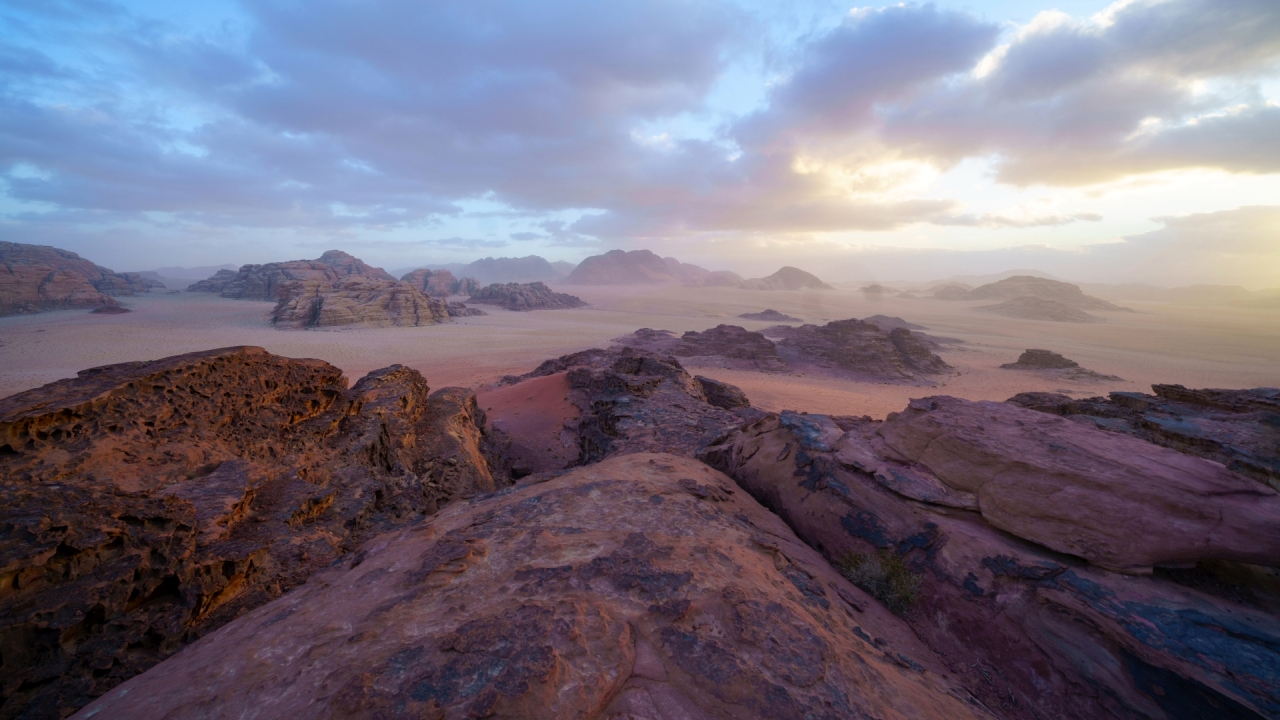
(646, 586)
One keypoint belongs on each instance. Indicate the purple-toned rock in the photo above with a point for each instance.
(355, 301)
(436, 283)
(267, 282)
(1032, 632)
(646, 586)
(523, 297)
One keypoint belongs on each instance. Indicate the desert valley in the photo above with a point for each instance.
(226, 453)
(658, 360)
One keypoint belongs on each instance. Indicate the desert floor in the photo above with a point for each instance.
(1192, 346)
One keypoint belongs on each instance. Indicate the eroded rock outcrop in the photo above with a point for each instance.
(727, 346)
(147, 503)
(267, 282)
(647, 586)
(1030, 286)
(634, 400)
(1047, 362)
(1238, 428)
(436, 283)
(523, 297)
(355, 301)
(861, 350)
(973, 496)
(1033, 308)
(37, 278)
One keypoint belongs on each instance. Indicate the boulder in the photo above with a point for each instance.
(355, 301)
(146, 504)
(38, 278)
(1032, 632)
(722, 394)
(267, 282)
(647, 586)
(525, 297)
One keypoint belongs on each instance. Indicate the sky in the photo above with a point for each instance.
(1135, 141)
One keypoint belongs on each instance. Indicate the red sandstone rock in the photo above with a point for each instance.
(266, 282)
(1033, 633)
(144, 504)
(355, 301)
(36, 278)
(646, 586)
(1118, 502)
(436, 283)
(860, 350)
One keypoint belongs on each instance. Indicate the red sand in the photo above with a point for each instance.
(532, 413)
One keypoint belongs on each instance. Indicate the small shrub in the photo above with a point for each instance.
(884, 576)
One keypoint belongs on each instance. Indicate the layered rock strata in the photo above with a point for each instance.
(523, 297)
(1238, 428)
(436, 283)
(356, 301)
(1010, 523)
(38, 278)
(147, 503)
(267, 282)
(647, 586)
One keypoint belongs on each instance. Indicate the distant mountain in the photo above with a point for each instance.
(788, 278)
(643, 267)
(508, 270)
(1027, 286)
(976, 280)
(619, 267)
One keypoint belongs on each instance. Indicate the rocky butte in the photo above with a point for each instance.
(38, 278)
(523, 297)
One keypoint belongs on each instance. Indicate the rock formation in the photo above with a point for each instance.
(110, 310)
(355, 301)
(147, 503)
(859, 349)
(266, 282)
(1009, 519)
(846, 348)
(468, 286)
(1238, 428)
(769, 315)
(437, 283)
(523, 297)
(457, 309)
(875, 289)
(634, 400)
(952, 291)
(788, 278)
(648, 586)
(37, 278)
(1034, 308)
(887, 323)
(619, 267)
(727, 346)
(1047, 362)
(642, 267)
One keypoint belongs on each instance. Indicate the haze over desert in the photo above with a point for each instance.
(658, 360)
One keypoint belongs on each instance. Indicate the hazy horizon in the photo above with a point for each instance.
(1136, 141)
